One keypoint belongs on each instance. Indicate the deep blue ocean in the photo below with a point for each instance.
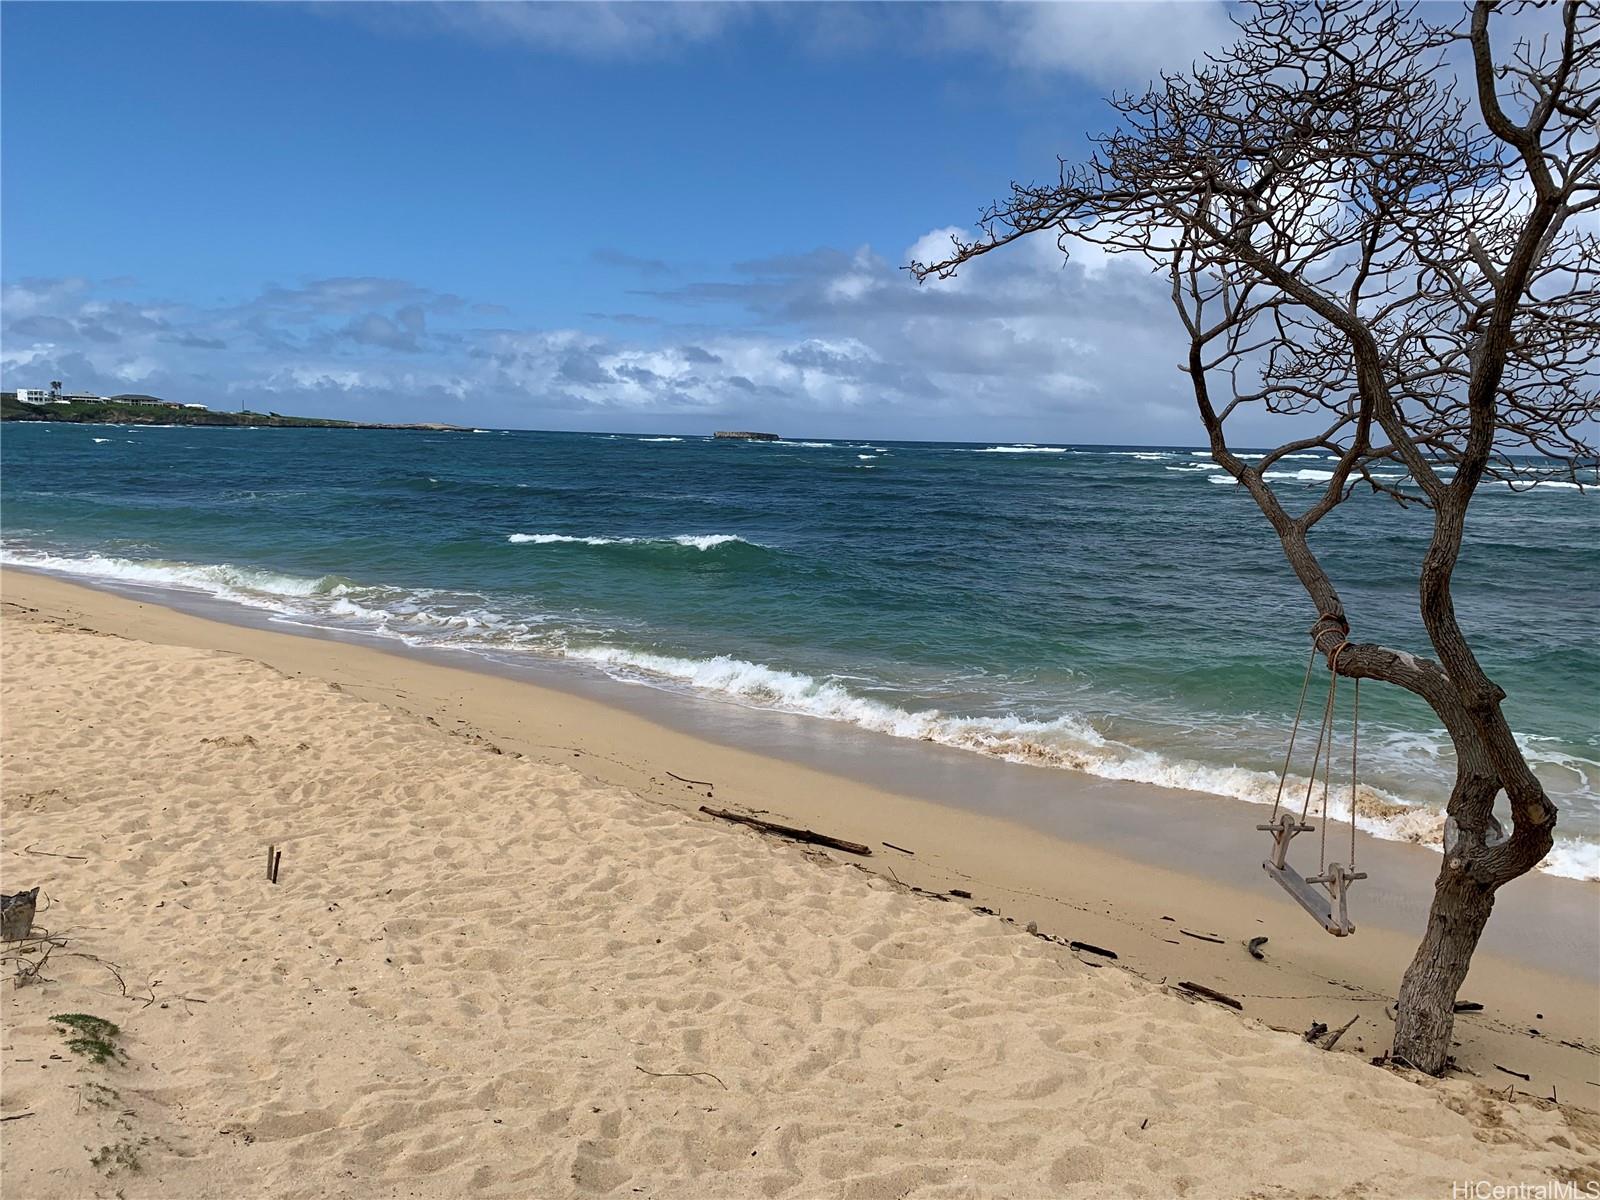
(1122, 611)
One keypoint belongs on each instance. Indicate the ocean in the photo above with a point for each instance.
(1123, 611)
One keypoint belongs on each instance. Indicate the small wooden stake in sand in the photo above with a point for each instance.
(16, 915)
(274, 857)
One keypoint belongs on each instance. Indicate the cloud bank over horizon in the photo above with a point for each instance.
(824, 341)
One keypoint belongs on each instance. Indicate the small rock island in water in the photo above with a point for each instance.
(741, 435)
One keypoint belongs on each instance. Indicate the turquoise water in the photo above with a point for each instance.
(1112, 609)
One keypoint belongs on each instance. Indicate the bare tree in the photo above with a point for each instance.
(1381, 228)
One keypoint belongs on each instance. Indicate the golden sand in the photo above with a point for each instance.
(482, 974)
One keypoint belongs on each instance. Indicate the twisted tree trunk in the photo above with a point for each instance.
(1425, 1008)
(1462, 901)
(1478, 857)
(1442, 321)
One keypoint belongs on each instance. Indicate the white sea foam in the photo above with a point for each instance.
(1304, 475)
(812, 445)
(550, 539)
(1068, 741)
(245, 585)
(306, 600)
(708, 541)
(1022, 449)
(97, 440)
(660, 439)
(696, 541)
(866, 457)
(425, 616)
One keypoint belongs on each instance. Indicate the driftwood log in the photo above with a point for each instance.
(1200, 989)
(793, 832)
(1333, 1038)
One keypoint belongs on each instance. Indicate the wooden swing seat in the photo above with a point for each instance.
(1336, 879)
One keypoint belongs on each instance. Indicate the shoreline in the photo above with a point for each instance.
(1141, 873)
(937, 763)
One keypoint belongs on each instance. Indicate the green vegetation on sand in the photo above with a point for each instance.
(117, 412)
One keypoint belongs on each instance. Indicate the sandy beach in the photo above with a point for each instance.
(507, 956)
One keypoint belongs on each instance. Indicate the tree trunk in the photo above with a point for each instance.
(1425, 1013)
(1463, 897)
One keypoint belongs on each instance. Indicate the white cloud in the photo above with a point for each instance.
(30, 296)
(1122, 44)
(1108, 42)
(1020, 345)
(597, 29)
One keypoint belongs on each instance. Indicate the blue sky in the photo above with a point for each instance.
(645, 217)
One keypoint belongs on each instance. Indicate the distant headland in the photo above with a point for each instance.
(82, 408)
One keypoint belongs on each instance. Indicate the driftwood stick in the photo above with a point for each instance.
(1200, 989)
(1254, 946)
(1333, 1038)
(1201, 937)
(789, 831)
(680, 1075)
(1509, 1071)
(695, 782)
(902, 849)
(29, 849)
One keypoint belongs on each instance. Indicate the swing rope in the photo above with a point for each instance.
(1324, 740)
(1324, 746)
(1283, 775)
(1355, 746)
(1336, 880)
(1327, 771)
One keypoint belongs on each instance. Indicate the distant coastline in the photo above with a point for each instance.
(114, 412)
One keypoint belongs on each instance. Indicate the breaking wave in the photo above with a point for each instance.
(693, 541)
(1065, 742)
(467, 621)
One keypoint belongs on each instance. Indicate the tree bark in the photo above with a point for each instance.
(1425, 1009)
